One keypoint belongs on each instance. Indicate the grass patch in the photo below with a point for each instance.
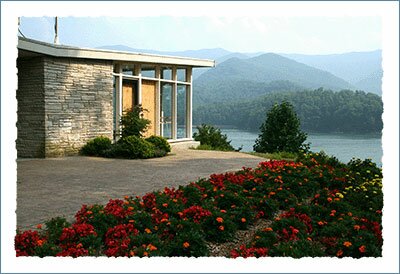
(208, 147)
(288, 156)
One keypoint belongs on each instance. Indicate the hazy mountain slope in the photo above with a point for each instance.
(201, 53)
(372, 83)
(352, 67)
(222, 82)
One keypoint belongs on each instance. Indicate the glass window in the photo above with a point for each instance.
(166, 73)
(182, 111)
(128, 69)
(149, 72)
(181, 74)
(166, 111)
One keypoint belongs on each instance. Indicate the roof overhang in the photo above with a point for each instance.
(39, 47)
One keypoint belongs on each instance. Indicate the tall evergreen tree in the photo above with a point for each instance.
(281, 131)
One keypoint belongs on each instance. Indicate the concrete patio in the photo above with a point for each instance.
(53, 187)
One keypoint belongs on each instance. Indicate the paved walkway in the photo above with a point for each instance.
(48, 188)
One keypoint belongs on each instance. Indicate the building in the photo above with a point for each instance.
(68, 95)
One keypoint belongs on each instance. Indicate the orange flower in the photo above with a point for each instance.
(147, 230)
(350, 214)
(356, 227)
(268, 229)
(272, 193)
(223, 211)
(347, 244)
(219, 220)
(126, 197)
(339, 253)
(165, 205)
(79, 245)
(89, 212)
(221, 227)
(321, 223)
(175, 200)
(39, 226)
(145, 254)
(130, 208)
(40, 242)
(309, 239)
(131, 221)
(362, 249)
(126, 202)
(132, 253)
(186, 245)
(151, 247)
(329, 199)
(243, 220)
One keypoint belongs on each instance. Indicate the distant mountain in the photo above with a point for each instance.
(372, 83)
(222, 82)
(354, 67)
(361, 70)
(201, 53)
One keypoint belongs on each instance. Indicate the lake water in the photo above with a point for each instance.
(342, 146)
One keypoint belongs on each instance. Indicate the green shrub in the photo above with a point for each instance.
(160, 143)
(133, 123)
(132, 147)
(96, 147)
(54, 228)
(281, 131)
(212, 136)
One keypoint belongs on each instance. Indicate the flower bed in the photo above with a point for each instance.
(315, 207)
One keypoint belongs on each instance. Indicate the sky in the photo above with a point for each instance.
(292, 34)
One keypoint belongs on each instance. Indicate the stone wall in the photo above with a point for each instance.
(78, 102)
(31, 112)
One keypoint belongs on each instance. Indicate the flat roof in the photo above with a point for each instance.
(39, 47)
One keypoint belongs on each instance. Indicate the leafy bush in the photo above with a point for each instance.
(211, 136)
(162, 147)
(133, 123)
(132, 147)
(281, 131)
(96, 147)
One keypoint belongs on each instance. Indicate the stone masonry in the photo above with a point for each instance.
(31, 113)
(77, 95)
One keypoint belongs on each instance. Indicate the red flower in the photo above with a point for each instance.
(362, 249)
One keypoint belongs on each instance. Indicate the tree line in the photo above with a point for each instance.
(319, 110)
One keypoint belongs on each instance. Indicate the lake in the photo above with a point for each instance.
(342, 146)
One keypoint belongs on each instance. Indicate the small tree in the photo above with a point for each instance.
(281, 131)
(133, 123)
(211, 136)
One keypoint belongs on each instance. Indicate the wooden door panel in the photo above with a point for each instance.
(128, 96)
(149, 103)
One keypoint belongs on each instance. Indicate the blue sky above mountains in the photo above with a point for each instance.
(307, 35)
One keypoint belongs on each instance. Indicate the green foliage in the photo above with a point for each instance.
(133, 123)
(212, 136)
(319, 110)
(161, 144)
(281, 131)
(132, 147)
(96, 147)
(54, 228)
